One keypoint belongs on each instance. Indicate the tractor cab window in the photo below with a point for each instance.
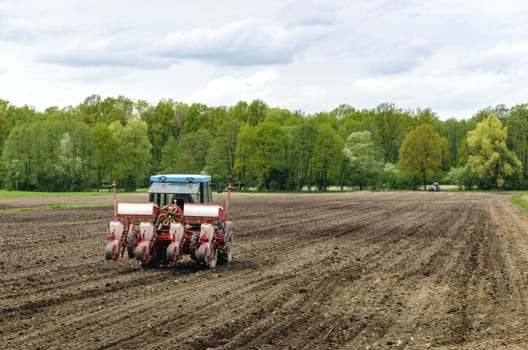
(160, 199)
(206, 194)
(163, 193)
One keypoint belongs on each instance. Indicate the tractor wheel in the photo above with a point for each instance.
(199, 254)
(212, 263)
(132, 244)
(155, 262)
(172, 253)
(111, 250)
(202, 258)
(226, 256)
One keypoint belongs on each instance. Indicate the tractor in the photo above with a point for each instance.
(179, 219)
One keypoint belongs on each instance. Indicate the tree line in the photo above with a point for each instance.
(82, 147)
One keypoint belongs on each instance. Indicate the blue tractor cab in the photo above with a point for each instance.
(180, 189)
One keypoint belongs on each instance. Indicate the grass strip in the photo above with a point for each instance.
(56, 206)
(29, 194)
(4, 194)
(520, 203)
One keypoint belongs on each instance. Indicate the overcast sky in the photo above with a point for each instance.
(455, 57)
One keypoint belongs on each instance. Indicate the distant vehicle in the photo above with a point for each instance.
(435, 187)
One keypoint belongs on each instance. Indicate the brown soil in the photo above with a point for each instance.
(344, 271)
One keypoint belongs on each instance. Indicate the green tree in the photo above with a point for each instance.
(490, 160)
(455, 131)
(359, 149)
(267, 158)
(191, 151)
(421, 153)
(392, 177)
(22, 115)
(76, 147)
(456, 176)
(5, 124)
(90, 110)
(239, 112)
(104, 157)
(133, 156)
(164, 121)
(425, 116)
(327, 158)
(390, 124)
(277, 115)
(168, 163)
(306, 135)
(194, 117)
(243, 152)
(15, 159)
(49, 156)
(517, 126)
(220, 160)
(257, 112)
(120, 109)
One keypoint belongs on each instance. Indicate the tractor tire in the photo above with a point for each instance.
(212, 263)
(226, 256)
(153, 263)
(172, 253)
(131, 244)
(199, 255)
(157, 256)
(111, 252)
(202, 258)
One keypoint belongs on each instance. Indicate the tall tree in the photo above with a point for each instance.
(168, 162)
(267, 161)
(221, 157)
(421, 152)
(328, 156)
(195, 115)
(390, 124)
(5, 125)
(257, 112)
(517, 124)
(49, 156)
(306, 136)
(90, 110)
(165, 120)
(455, 131)
(240, 112)
(490, 160)
(360, 151)
(133, 153)
(120, 109)
(104, 157)
(191, 151)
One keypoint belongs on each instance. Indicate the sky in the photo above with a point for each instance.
(455, 57)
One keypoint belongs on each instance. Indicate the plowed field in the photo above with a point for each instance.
(343, 271)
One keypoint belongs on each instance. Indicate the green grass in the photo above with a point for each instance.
(28, 194)
(57, 206)
(520, 203)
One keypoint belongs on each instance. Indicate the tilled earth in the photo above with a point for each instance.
(344, 271)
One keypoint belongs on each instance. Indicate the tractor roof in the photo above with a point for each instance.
(185, 178)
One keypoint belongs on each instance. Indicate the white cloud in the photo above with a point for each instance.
(229, 90)
(239, 43)
(450, 95)
(308, 91)
(501, 58)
